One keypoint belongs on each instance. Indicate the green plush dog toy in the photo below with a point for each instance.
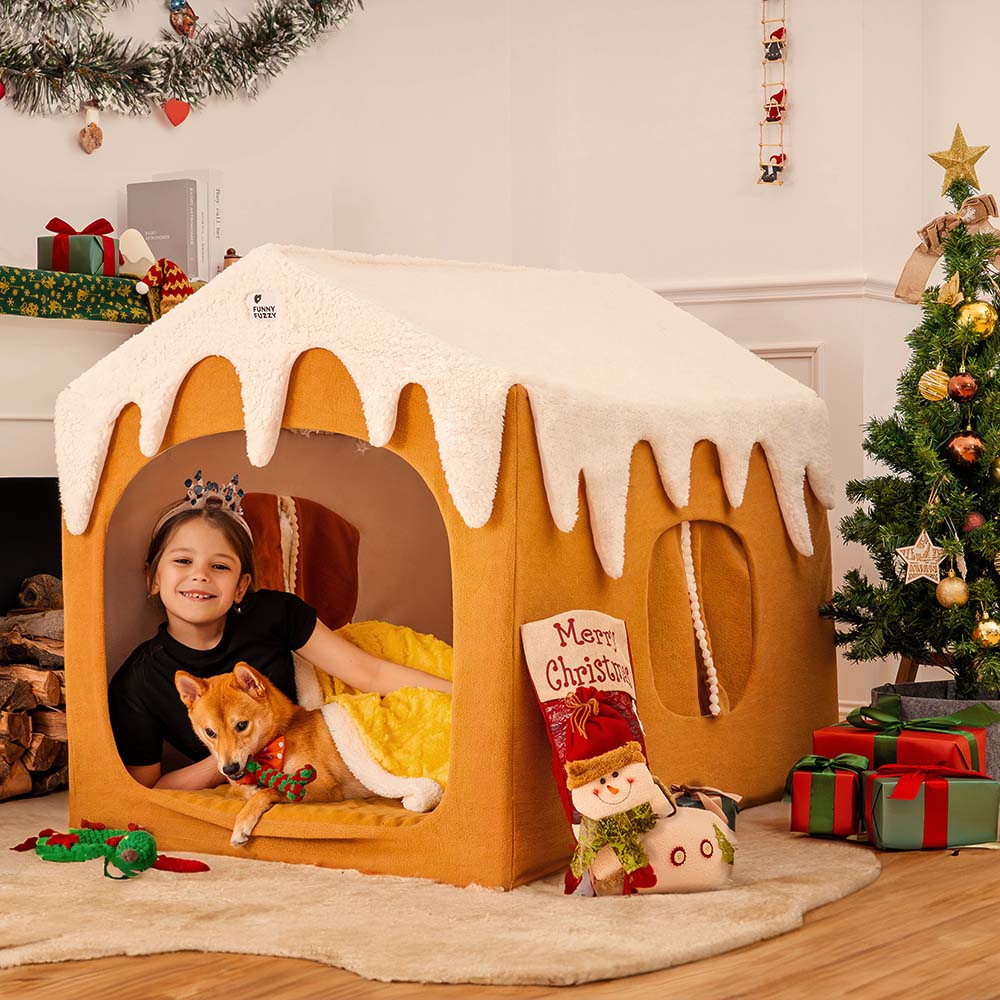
(130, 851)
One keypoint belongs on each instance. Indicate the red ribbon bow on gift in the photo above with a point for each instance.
(912, 776)
(60, 245)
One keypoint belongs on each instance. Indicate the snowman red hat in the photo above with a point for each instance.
(598, 739)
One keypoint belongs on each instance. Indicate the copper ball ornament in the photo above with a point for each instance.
(981, 316)
(933, 384)
(972, 521)
(986, 633)
(962, 387)
(952, 591)
(963, 450)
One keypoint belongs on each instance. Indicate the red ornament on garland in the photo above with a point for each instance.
(176, 111)
(3, 90)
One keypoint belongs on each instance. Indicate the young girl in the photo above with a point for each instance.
(200, 565)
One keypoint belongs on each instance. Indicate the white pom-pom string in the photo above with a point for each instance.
(700, 632)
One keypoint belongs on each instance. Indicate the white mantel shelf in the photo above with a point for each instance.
(39, 358)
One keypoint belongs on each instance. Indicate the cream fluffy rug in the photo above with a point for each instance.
(409, 929)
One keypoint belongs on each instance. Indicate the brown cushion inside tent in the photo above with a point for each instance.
(327, 564)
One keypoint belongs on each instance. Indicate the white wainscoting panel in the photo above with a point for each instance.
(803, 362)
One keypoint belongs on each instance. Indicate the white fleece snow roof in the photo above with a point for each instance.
(605, 362)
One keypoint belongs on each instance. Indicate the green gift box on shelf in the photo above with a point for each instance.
(909, 807)
(88, 251)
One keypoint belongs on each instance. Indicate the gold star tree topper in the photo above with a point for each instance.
(959, 161)
(923, 559)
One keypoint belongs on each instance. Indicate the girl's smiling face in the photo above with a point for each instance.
(198, 576)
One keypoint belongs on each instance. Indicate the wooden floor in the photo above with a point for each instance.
(929, 927)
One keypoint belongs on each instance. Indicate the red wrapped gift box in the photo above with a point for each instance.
(826, 803)
(878, 733)
(963, 748)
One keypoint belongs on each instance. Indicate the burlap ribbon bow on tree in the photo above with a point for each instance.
(975, 213)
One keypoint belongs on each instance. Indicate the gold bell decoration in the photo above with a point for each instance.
(933, 384)
(952, 591)
(981, 316)
(987, 632)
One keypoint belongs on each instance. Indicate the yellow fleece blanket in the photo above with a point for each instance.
(406, 732)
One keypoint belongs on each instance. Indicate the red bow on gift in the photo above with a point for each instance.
(60, 245)
(912, 776)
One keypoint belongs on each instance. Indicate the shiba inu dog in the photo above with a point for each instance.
(250, 727)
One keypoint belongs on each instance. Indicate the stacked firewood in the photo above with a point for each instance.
(33, 742)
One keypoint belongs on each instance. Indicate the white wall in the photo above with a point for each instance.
(574, 134)
(562, 133)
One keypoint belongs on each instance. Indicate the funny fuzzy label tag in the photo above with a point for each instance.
(262, 306)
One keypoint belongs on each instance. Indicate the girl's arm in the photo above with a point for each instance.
(334, 655)
(204, 774)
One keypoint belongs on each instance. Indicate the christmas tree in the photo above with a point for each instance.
(936, 510)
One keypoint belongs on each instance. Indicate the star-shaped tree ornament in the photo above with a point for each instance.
(959, 161)
(923, 559)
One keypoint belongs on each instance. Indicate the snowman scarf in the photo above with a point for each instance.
(619, 832)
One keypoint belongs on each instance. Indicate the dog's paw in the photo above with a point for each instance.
(239, 837)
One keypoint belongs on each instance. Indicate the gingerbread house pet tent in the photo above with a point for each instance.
(542, 437)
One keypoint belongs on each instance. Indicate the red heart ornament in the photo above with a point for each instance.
(176, 111)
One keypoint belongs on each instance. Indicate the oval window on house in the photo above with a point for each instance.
(722, 575)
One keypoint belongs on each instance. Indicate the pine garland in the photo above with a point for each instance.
(55, 56)
(922, 492)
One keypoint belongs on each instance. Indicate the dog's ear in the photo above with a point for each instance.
(245, 678)
(189, 687)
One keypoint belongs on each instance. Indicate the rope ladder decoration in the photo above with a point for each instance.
(698, 622)
(771, 158)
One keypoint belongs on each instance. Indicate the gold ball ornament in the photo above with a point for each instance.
(995, 469)
(952, 591)
(933, 384)
(981, 316)
(986, 633)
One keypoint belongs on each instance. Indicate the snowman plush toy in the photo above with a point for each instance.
(632, 837)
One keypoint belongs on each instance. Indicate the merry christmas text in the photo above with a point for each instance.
(599, 671)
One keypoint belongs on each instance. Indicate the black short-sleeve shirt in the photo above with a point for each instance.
(144, 704)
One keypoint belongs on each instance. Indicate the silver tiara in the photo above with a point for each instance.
(202, 494)
(227, 497)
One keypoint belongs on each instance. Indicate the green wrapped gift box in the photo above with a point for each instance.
(88, 251)
(909, 807)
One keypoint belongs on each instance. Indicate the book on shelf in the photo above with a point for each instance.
(211, 249)
(166, 213)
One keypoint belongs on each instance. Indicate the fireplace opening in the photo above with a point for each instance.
(30, 534)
